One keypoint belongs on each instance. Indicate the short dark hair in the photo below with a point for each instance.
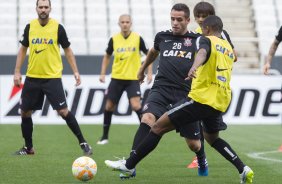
(182, 7)
(213, 22)
(48, 0)
(203, 8)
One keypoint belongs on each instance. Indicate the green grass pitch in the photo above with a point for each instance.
(56, 148)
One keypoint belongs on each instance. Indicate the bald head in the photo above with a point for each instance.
(125, 23)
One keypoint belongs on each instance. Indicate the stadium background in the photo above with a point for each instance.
(252, 25)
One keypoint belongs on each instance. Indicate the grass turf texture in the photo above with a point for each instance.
(56, 148)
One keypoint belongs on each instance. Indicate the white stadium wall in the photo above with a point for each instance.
(256, 100)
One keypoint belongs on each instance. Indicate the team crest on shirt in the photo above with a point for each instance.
(187, 42)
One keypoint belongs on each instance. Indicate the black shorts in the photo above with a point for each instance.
(188, 111)
(117, 87)
(33, 92)
(160, 100)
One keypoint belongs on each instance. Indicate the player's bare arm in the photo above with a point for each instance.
(200, 59)
(151, 57)
(105, 64)
(72, 62)
(269, 57)
(19, 63)
(150, 73)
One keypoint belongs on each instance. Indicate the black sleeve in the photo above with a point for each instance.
(110, 48)
(24, 40)
(226, 36)
(143, 47)
(279, 36)
(157, 42)
(205, 43)
(62, 37)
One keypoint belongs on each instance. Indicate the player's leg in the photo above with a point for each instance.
(212, 126)
(194, 163)
(149, 143)
(154, 107)
(112, 95)
(134, 96)
(54, 91)
(31, 99)
(193, 140)
(148, 119)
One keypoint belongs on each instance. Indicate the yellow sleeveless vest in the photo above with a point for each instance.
(127, 58)
(44, 57)
(212, 85)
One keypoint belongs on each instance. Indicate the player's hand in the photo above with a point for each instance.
(266, 68)
(102, 78)
(77, 79)
(17, 79)
(141, 76)
(191, 74)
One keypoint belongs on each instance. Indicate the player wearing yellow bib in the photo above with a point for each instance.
(126, 47)
(43, 77)
(201, 11)
(211, 73)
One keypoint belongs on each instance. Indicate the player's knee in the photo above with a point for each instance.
(110, 106)
(194, 145)
(148, 119)
(63, 112)
(26, 114)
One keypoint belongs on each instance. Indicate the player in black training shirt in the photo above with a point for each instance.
(177, 49)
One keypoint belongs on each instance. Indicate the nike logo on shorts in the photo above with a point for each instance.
(62, 103)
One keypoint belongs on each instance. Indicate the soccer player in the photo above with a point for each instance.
(272, 52)
(176, 49)
(201, 11)
(209, 97)
(43, 77)
(126, 47)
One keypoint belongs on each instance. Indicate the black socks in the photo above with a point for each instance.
(107, 123)
(141, 133)
(27, 129)
(73, 125)
(227, 152)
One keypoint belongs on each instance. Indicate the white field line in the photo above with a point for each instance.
(260, 155)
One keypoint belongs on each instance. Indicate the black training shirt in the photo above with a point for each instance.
(177, 54)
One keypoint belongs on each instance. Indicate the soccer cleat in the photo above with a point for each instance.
(25, 151)
(247, 175)
(127, 175)
(203, 170)
(87, 150)
(103, 142)
(119, 165)
(193, 164)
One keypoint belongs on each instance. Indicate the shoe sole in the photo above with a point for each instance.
(121, 177)
(249, 178)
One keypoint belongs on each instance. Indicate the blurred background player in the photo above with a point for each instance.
(176, 49)
(199, 105)
(271, 53)
(44, 73)
(126, 47)
(201, 11)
